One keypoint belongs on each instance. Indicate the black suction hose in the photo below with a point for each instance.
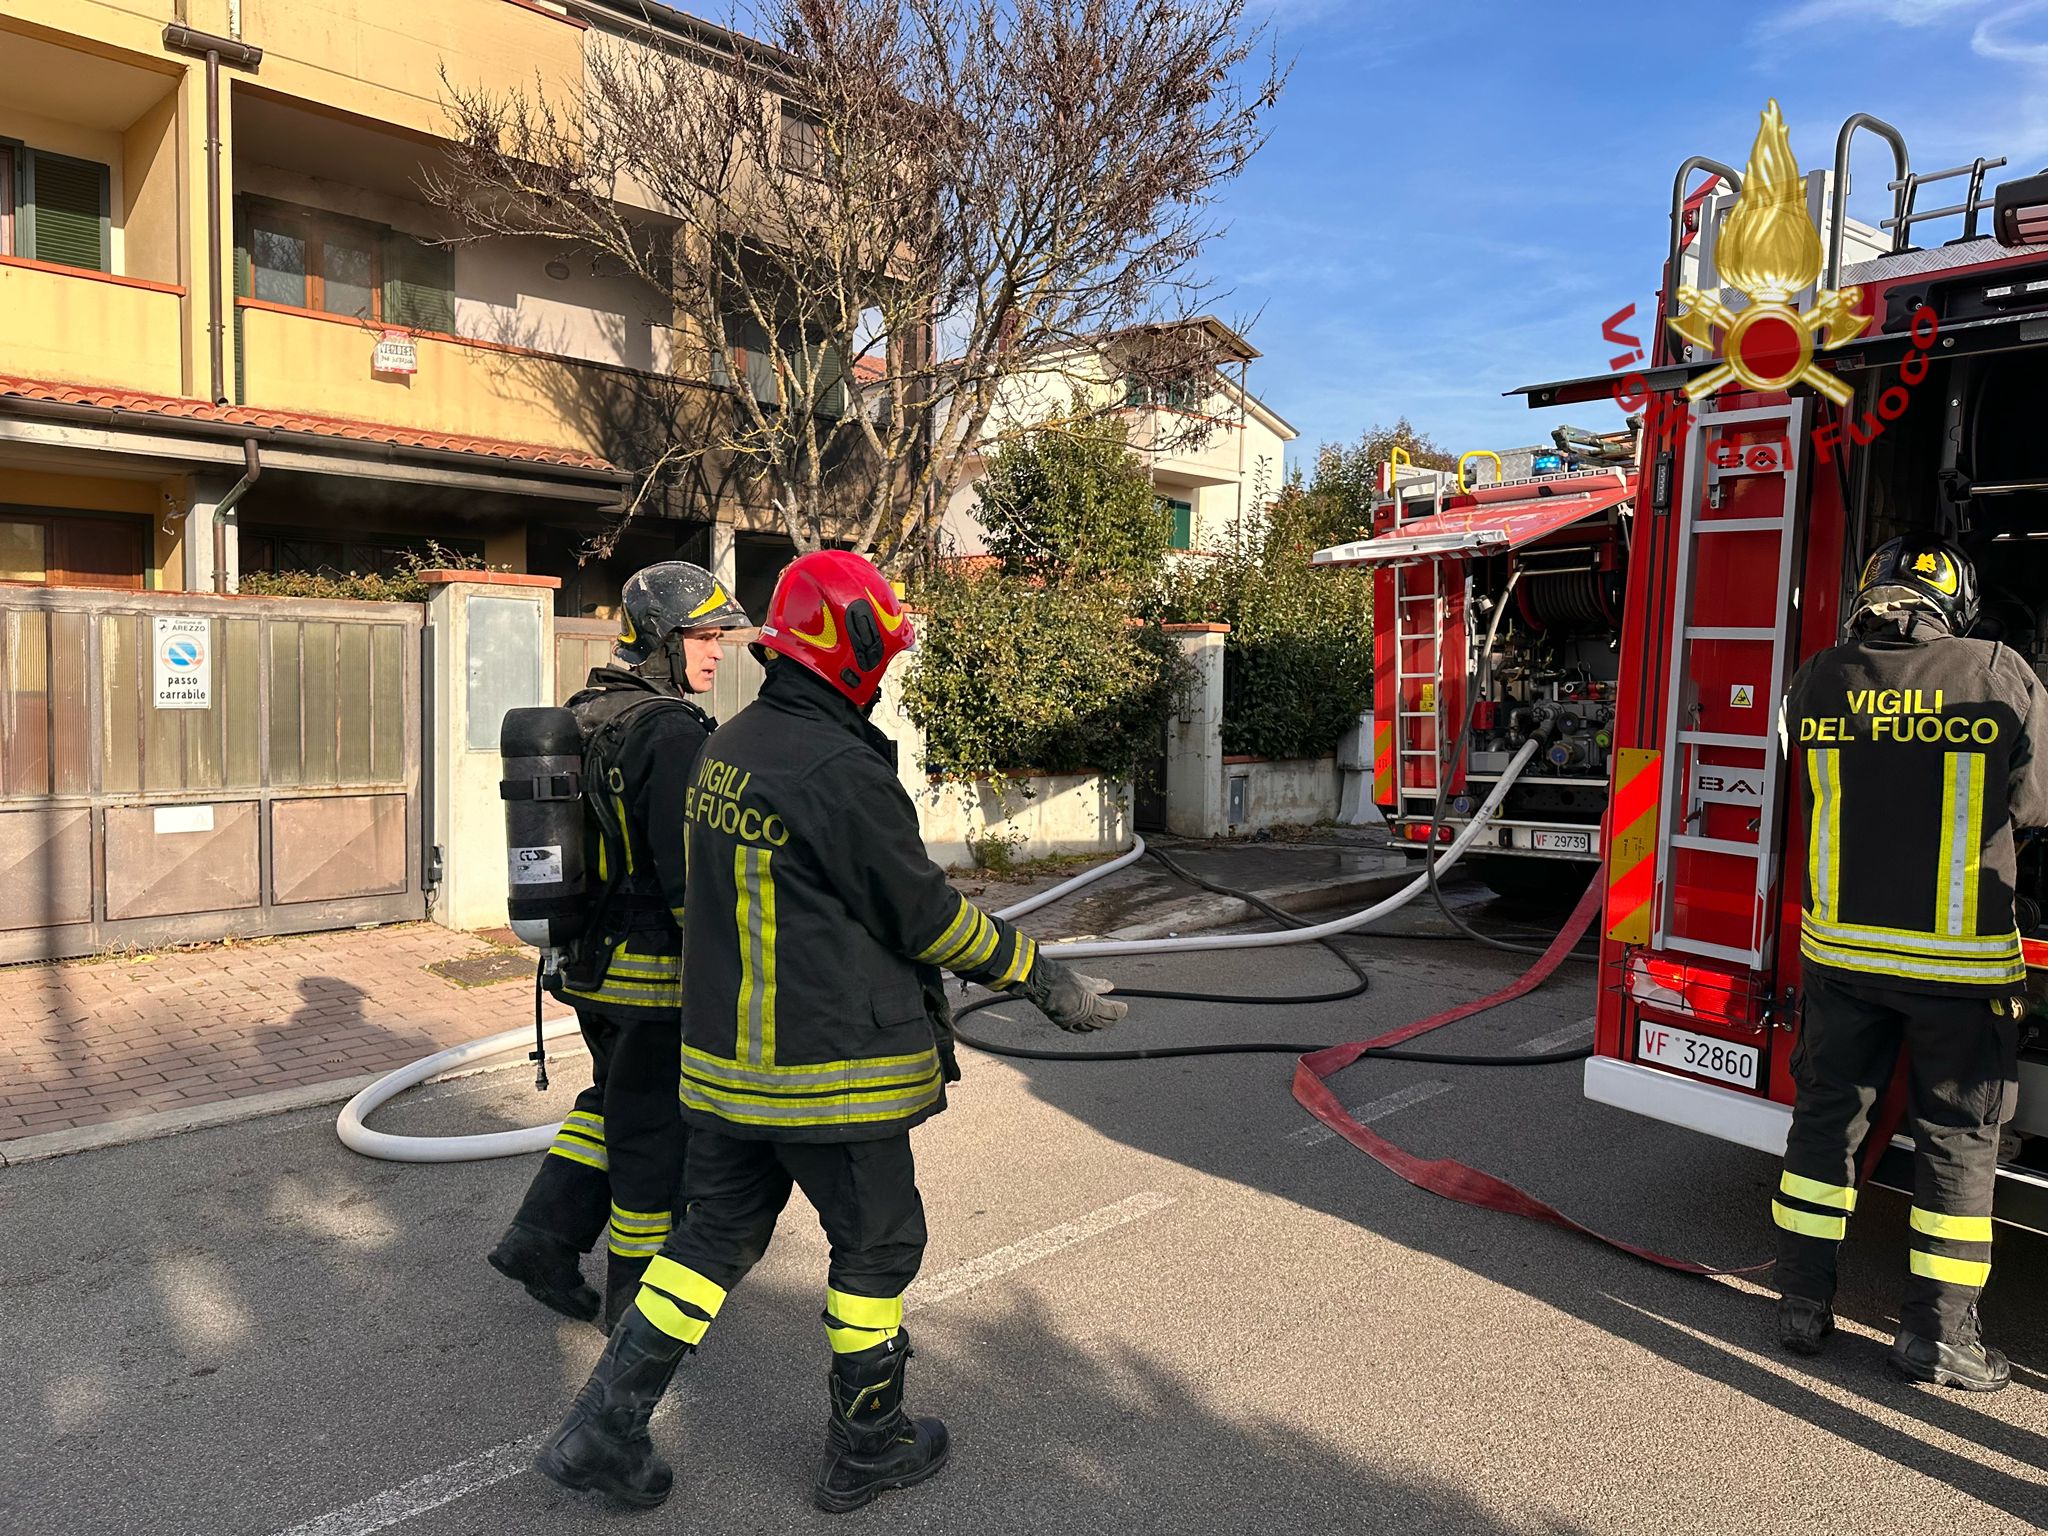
(1250, 1048)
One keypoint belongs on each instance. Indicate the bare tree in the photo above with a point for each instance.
(865, 216)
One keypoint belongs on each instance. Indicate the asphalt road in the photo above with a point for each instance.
(1158, 1299)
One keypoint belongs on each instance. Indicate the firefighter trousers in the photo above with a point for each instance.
(1962, 1082)
(865, 1194)
(617, 1162)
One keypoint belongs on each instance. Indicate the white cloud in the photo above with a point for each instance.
(2008, 37)
(1818, 13)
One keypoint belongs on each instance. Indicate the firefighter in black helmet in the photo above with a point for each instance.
(615, 1165)
(1922, 749)
(815, 1036)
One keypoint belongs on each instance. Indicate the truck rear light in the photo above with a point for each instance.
(2020, 211)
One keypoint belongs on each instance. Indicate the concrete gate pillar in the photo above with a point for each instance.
(490, 647)
(1194, 737)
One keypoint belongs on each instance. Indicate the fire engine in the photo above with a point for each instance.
(1752, 512)
(1498, 594)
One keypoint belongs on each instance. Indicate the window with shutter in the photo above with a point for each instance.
(6, 198)
(419, 284)
(1183, 534)
(64, 211)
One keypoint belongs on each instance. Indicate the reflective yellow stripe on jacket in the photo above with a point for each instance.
(636, 979)
(1952, 950)
(750, 1087)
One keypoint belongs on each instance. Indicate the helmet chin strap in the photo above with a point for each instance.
(667, 667)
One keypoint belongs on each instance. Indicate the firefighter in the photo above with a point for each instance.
(816, 1035)
(1922, 750)
(615, 1164)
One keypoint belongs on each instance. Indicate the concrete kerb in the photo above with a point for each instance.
(200, 1117)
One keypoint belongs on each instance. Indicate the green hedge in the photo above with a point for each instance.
(400, 586)
(1010, 674)
(1297, 667)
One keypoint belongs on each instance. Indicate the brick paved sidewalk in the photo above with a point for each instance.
(88, 1041)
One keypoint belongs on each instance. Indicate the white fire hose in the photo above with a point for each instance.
(358, 1137)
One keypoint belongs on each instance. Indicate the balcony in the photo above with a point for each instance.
(302, 360)
(89, 328)
(1190, 447)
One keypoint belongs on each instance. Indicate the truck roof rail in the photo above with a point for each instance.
(1679, 204)
(1838, 195)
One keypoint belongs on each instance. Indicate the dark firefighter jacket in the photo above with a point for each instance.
(1921, 752)
(816, 930)
(638, 834)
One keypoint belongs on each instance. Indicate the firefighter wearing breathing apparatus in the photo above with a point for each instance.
(615, 1164)
(816, 1035)
(1922, 750)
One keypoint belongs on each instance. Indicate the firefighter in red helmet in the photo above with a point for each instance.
(815, 1036)
(1922, 750)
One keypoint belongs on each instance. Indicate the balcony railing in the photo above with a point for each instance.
(303, 360)
(82, 327)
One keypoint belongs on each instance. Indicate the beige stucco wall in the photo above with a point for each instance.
(65, 325)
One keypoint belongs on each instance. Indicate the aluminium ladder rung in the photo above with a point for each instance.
(1723, 739)
(1748, 957)
(1728, 632)
(1418, 714)
(1726, 845)
(1742, 525)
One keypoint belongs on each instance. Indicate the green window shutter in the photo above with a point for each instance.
(64, 203)
(419, 285)
(1183, 524)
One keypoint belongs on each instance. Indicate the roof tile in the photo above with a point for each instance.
(57, 393)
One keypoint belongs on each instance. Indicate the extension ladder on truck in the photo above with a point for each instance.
(1418, 679)
(1732, 609)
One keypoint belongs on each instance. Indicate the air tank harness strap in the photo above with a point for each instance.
(1445, 1176)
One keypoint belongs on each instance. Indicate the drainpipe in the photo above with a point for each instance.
(250, 475)
(179, 38)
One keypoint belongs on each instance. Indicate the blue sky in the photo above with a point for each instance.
(1456, 194)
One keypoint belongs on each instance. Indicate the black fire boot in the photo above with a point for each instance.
(621, 1285)
(549, 1269)
(1804, 1324)
(603, 1444)
(872, 1445)
(1971, 1366)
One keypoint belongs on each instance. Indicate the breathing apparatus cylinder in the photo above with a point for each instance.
(542, 755)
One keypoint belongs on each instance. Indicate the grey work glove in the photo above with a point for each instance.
(1071, 1000)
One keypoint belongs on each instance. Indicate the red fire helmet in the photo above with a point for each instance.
(834, 613)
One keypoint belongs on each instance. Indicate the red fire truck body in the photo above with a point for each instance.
(1755, 513)
(1498, 606)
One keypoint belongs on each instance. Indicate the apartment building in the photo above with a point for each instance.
(1214, 451)
(234, 334)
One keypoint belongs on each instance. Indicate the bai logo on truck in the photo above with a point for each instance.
(1769, 251)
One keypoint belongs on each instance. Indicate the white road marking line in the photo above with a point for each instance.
(1559, 1039)
(502, 1463)
(389, 1508)
(993, 1266)
(1415, 1093)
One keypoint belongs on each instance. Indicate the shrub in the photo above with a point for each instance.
(1067, 505)
(400, 586)
(1297, 666)
(1012, 674)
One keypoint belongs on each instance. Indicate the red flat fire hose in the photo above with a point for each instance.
(1446, 1176)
